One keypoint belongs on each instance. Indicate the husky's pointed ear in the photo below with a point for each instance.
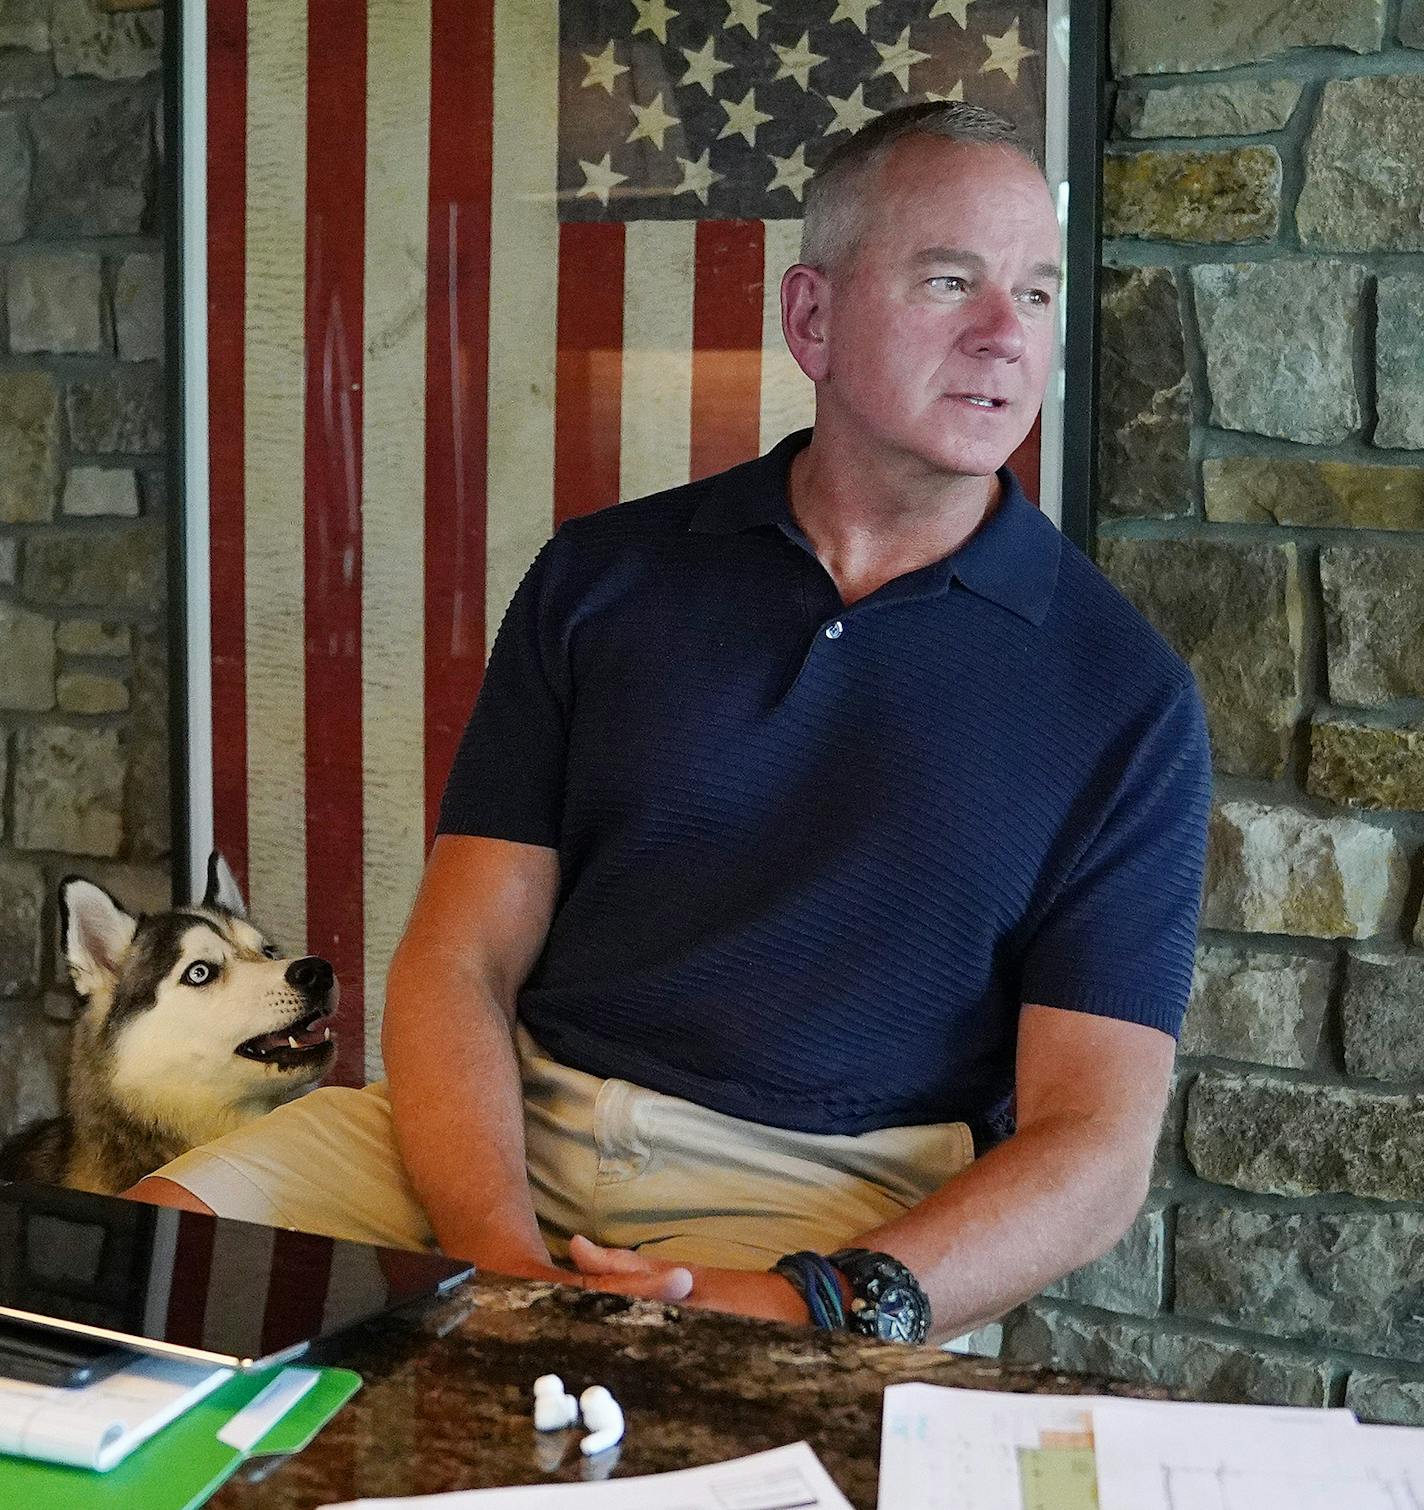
(223, 892)
(95, 930)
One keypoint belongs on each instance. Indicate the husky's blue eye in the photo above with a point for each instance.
(199, 973)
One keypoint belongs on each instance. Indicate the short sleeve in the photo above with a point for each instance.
(1118, 938)
(507, 780)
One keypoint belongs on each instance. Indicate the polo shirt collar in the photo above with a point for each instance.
(1011, 561)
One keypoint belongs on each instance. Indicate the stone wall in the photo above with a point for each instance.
(1262, 501)
(83, 657)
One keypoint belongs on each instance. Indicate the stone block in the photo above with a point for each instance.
(146, 800)
(53, 302)
(138, 307)
(22, 892)
(1192, 35)
(93, 164)
(1321, 494)
(1364, 167)
(25, 24)
(1169, 1159)
(29, 447)
(1235, 614)
(1359, 765)
(1205, 1368)
(1262, 1008)
(1293, 378)
(1232, 194)
(1382, 1398)
(1341, 1279)
(25, 76)
(1399, 362)
(28, 656)
(32, 1064)
(15, 168)
(89, 637)
(90, 491)
(87, 692)
(1145, 400)
(91, 41)
(9, 561)
(1374, 622)
(117, 568)
(119, 411)
(1128, 1277)
(1278, 870)
(1382, 1016)
(69, 790)
(1411, 23)
(141, 888)
(1211, 109)
(1277, 1137)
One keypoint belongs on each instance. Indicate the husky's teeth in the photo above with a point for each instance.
(326, 1034)
(292, 1042)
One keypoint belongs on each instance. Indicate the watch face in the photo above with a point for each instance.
(898, 1314)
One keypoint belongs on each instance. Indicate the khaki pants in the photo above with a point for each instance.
(625, 1166)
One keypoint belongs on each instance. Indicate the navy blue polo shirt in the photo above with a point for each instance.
(814, 858)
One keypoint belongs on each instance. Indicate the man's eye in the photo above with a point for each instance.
(942, 280)
(199, 973)
(1038, 296)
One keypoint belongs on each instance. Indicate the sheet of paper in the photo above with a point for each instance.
(969, 1449)
(786, 1478)
(1233, 1458)
(1396, 1455)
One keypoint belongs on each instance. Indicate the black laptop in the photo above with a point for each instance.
(187, 1285)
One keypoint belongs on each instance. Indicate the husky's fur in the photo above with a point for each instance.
(165, 1054)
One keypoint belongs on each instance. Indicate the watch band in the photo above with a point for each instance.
(887, 1300)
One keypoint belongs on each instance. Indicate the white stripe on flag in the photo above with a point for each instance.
(524, 278)
(659, 272)
(393, 498)
(788, 399)
(275, 463)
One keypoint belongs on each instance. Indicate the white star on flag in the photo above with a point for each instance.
(697, 177)
(854, 11)
(1006, 53)
(851, 113)
(898, 58)
(653, 16)
(653, 122)
(603, 68)
(959, 9)
(791, 172)
(957, 93)
(703, 66)
(745, 13)
(798, 61)
(599, 178)
(743, 118)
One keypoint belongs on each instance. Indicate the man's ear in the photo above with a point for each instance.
(223, 893)
(805, 318)
(95, 931)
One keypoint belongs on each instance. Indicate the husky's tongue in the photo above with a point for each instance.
(298, 1039)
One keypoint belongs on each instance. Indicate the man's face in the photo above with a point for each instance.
(950, 299)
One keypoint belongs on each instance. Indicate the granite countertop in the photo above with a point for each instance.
(446, 1402)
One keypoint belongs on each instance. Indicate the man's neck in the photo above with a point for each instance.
(870, 522)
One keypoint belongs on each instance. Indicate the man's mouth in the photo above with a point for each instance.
(985, 401)
(305, 1042)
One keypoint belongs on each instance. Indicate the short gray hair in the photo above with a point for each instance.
(835, 199)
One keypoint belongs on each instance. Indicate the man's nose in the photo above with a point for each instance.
(994, 329)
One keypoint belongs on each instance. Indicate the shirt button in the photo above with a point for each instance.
(834, 631)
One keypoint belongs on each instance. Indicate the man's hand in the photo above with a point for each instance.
(745, 1292)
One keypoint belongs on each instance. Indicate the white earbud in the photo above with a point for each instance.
(553, 1408)
(604, 1418)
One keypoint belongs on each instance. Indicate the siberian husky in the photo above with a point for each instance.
(192, 1024)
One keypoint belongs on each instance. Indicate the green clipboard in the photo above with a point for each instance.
(184, 1463)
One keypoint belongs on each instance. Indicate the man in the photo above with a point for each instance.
(820, 866)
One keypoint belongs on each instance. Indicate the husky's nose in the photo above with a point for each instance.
(312, 976)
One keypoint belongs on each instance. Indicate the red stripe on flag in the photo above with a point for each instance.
(726, 345)
(589, 368)
(1025, 462)
(336, 206)
(227, 238)
(456, 376)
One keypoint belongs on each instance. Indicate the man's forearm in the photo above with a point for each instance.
(457, 1105)
(1049, 1199)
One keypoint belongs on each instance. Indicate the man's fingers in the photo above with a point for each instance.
(590, 1258)
(672, 1283)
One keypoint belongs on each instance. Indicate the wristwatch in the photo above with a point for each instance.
(886, 1299)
